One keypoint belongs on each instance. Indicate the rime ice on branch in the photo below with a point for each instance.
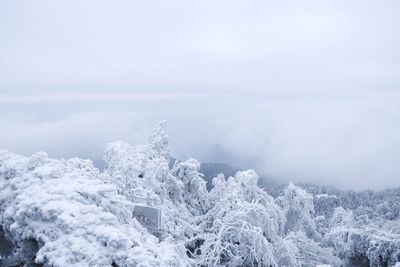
(68, 213)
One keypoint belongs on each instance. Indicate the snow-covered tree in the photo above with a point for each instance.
(298, 211)
(64, 211)
(242, 225)
(342, 218)
(68, 213)
(193, 191)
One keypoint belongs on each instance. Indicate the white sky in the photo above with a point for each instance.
(300, 90)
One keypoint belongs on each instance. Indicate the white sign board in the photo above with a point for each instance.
(149, 217)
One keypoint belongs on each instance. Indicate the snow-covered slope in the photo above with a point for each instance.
(66, 210)
(68, 213)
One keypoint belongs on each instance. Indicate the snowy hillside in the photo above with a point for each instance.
(68, 213)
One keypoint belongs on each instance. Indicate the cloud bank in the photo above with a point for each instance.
(349, 142)
(304, 91)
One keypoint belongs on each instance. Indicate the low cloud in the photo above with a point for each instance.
(341, 140)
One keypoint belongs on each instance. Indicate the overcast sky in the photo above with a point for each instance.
(306, 91)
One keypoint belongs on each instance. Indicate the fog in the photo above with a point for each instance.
(302, 92)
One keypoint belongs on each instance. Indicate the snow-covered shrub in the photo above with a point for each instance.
(365, 247)
(298, 211)
(68, 213)
(325, 204)
(242, 225)
(142, 174)
(73, 218)
(342, 218)
(219, 186)
(303, 251)
(193, 191)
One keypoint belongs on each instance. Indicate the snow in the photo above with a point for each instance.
(324, 196)
(68, 213)
(76, 218)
